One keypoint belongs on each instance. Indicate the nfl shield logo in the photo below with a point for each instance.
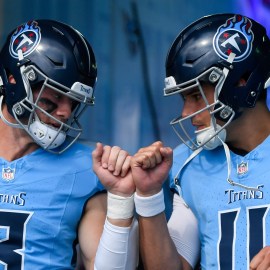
(8, 174)
(242, 168)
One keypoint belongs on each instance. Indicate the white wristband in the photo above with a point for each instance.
(119, 207)
(149, 206)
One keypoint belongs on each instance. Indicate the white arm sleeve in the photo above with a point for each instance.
(118, 247)
(183, 228)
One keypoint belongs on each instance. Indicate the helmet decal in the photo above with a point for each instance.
(26, 37)
(235, 36)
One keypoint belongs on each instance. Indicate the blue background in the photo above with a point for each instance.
(130, 40)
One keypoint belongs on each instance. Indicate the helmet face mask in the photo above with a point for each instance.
(219, 50)
(47, 136)
(207, 137)
(69, 70)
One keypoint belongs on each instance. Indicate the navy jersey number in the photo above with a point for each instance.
(255, 235)
(12, 238)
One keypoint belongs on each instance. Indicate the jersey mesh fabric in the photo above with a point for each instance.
(233, 222)
(41, 206)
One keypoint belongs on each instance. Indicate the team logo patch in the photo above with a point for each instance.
(8, 174)
(242, 168)
(26, 38)
(235, 36)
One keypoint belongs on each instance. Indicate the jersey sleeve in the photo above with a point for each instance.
(183, 229)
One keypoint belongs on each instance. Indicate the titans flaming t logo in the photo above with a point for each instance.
(26, 37)
(234, 36)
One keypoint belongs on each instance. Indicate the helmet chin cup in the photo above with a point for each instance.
(211, 137)
(46, 136)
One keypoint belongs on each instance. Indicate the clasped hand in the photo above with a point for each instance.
(122, 174)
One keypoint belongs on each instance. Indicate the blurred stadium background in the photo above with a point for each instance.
(130, 39)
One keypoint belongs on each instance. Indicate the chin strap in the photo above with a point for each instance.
(229, 180)
(176, 178)
(228, 159)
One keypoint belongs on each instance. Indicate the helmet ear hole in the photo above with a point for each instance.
(11, 79)
(241, 82)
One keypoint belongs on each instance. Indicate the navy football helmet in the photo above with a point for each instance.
(218, 49)
(47, 54)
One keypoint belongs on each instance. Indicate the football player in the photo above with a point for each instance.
(220, 174)
(50, 197)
